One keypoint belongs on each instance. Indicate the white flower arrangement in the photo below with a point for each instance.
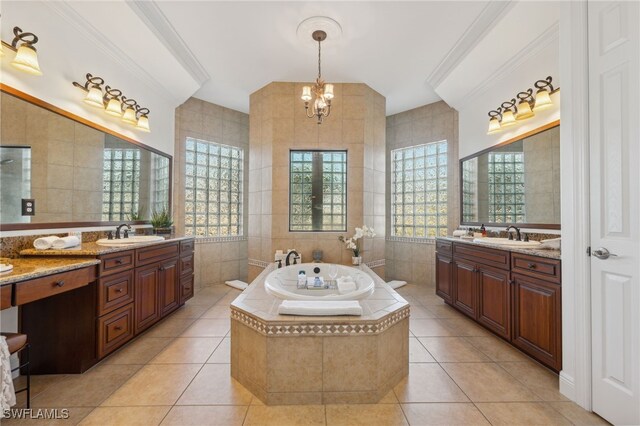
(353, 243)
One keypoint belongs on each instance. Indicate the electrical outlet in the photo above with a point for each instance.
(28, 207)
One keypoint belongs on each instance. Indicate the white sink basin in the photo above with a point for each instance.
(507, 242)
(136, 239)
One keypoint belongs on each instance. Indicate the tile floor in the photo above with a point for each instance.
(177, 373)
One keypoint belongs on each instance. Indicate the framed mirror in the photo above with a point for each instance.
(514, 183)
(75, 172)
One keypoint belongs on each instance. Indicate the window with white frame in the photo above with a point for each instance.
(419, 191)
(213, 189)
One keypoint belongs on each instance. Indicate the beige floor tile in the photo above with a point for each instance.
(285, 415)
(419, 312)
(444, 311)
(38, 384)
(428, 327)
(389, 398)
(417, 352)
(463, 327)
(578, 415)
(365, 415)
(170, 327)
(187, 350)
(154, 385)
(130, 416)
(222, 354)
(487, 382)
(443, 414)
(140, 351)
(452, 349)
(214, 385)
(217, 312)
(222, 415)
(428, 383)
(540, 380)
(521, 413)
(208, 328)
(190, 311)
(496, 349)
(85, 390)
(430, 300)
(75, 416)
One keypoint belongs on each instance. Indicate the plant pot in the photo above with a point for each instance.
(356, 260)
(163, 231)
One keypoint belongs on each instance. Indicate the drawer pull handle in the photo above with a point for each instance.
(118, 261)
(161, 268)
(59, 283)
(532, 266)
(118, 290)
(117, 328)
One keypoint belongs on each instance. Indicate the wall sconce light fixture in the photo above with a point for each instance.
(526, 105)
(114, 103)
(26, 58)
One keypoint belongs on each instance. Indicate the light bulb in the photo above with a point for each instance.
(143, 124)
(306, 93)
(130, 116)
(494, 126)
(543, 100)
(27, 60)
(507, 118)
(94, 97)
(114, 107)
(328, 91)
(524, 111)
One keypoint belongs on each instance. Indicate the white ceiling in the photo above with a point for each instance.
(391, 46)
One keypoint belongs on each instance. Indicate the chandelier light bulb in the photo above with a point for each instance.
(306, 93)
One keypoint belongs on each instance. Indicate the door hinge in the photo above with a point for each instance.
(589, 251)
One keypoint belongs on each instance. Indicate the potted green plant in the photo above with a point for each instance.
(161, 222)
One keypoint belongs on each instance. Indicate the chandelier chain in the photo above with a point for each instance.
(319, 51)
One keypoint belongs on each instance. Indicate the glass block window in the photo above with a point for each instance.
(318, 191)
(213, 189)
(469, 190)
(506, 187)
(160, 183)
(121, 184)
(419, 191)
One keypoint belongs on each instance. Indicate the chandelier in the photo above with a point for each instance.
(323, 92)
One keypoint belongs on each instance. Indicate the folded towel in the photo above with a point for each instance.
(346, 285)
(319, 308)
(240, 285)
(459, 233)
(66, 242)
(44, 243)
(396, 283)
(7, 395)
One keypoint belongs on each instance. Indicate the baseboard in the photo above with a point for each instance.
(567, 386)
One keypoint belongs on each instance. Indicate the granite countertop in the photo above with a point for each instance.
(548, 253)
(93, 249)
(29, 268)
(256, 302)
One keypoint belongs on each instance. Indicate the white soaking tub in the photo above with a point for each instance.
(283, 283)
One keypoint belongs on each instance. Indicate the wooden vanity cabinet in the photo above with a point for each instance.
(516, 296)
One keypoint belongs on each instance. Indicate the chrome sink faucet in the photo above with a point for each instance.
(518, 236)
(295, 257)
(126, 231)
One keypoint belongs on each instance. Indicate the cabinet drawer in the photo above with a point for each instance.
(186, 288)
(39, 288)
(187, 247)
(444, 247)
(156, 253)
(536, 267)
(6, 292)
(116, 262)
(115, 329)
(115, 291)
(486, 256)
(186, 265)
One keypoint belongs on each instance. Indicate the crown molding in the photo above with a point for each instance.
(490, 14)
(157, 22)
(108, 48)
(540, 43)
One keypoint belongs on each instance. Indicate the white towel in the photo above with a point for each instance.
(8, 394)
(240, 285)
(396, 283)
(320, 308)
(66, 242)
(44, 243)
(346, 285)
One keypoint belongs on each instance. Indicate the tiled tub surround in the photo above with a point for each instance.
(292, 360)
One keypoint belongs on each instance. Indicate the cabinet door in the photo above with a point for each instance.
(537, 319)
(494, 300)
(169, 286)
(465, 295)
(444, 277)
(147, 301)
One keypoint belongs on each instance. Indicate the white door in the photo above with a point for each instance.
(614, 97)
